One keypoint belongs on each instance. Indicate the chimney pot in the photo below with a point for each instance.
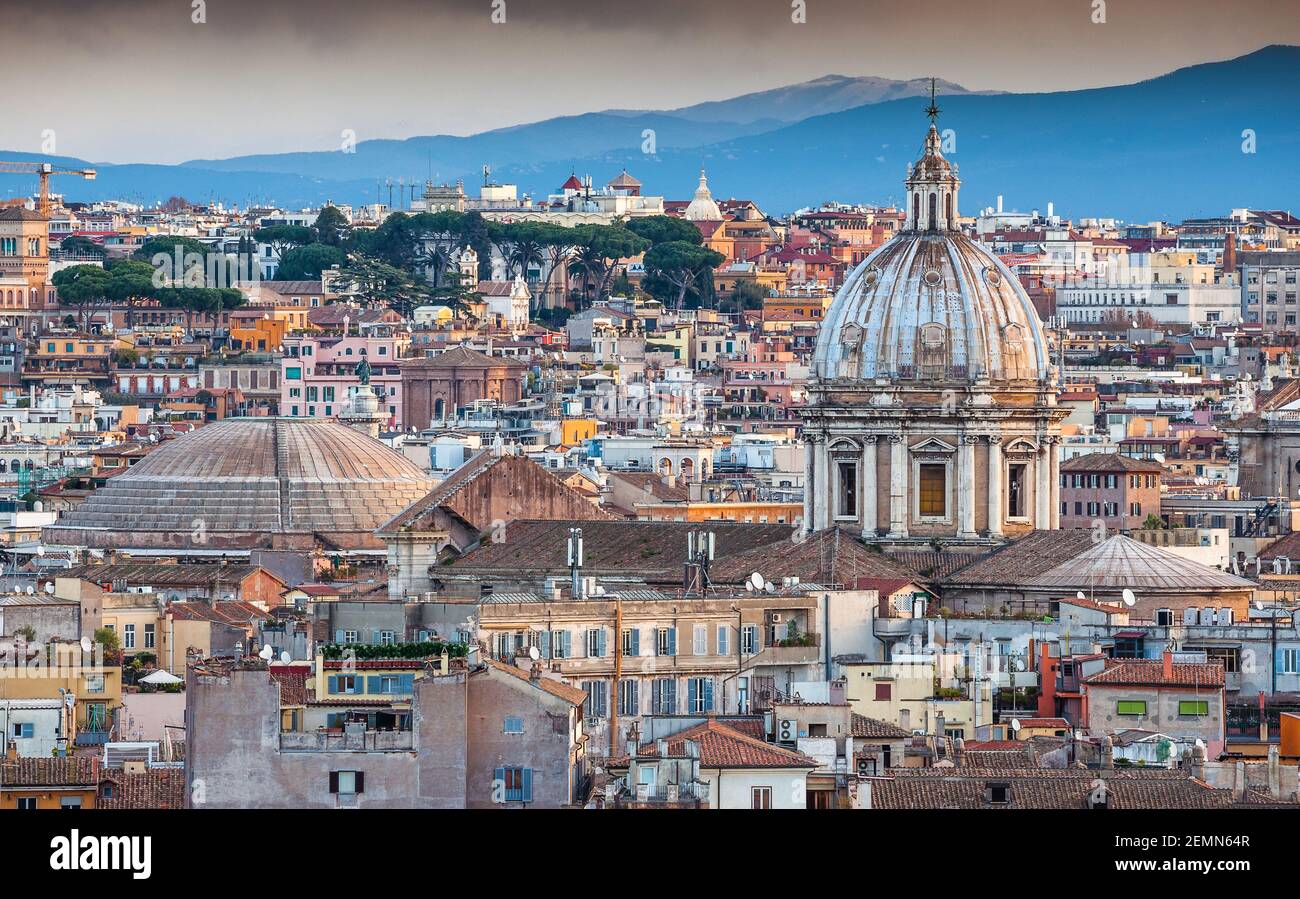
(1168, 659)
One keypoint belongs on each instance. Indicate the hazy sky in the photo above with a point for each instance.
(138, 81)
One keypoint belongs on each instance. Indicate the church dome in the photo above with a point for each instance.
(245, 483)
(703, 208)
(932, 304)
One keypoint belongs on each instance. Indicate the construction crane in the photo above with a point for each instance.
(44, 170)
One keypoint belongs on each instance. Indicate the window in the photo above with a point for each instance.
(1198, 708)
(664, 696)
(699, 695)
(1131, 707)
(27, 803)
(350, 637)
(596, 643)
(513, 784)
(347, 783)
(345, 683)
(847, 502)
(94, 683)
(933, 491)
(67, 802)
(999, 793)
(149, 636)
(388, 683)
(724, 640)
(557, 645)
(760, 797)
(749, 639)
(631, 642)
(1016, 491)
(513, 725)
(884, 692)
(128, 637)
(628, 698)
(1288, 661)
(24, 731)
(666, 641)
(700, 640)
(597, 695)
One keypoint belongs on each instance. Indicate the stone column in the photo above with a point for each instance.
(822, 495)
(1042, 489)
(809, 482)
(966, 486)
(898, 477)
(869, 504)
(996, 501)
(1054, 454)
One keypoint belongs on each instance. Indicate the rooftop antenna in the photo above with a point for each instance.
(574, 548)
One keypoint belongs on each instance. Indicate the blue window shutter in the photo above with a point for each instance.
(672, 696)
(568, 644)
(528, 785)
(672, 641)
(544, 647)
(334, 683)
(375, 686)
(636, 641)
(1278, 663)
(338, 635)
(499, 777)
(406, 683)
(692, 694)
(374, 636)
(656, 695)
(708, 694)
(634, 700)
(600, 643)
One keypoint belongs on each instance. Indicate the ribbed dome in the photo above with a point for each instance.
(251, 482)
(932, 306)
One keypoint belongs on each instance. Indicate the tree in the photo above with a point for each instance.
(282, 238)
(107, 638)
(307, 263)
(331, 227)
(665, 229)
(674, 268)
(82, 286)
(598, 250)
(129, 282)
(77, 245)
(748, 295)
(375, 281)
(1153, 522)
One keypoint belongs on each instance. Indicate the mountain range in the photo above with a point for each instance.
(1169, 147)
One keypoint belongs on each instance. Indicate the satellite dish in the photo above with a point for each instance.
(286, 658)
(49, 587)
(1079, 595)
(1200, 744)
(1129, 598)
(30, 589)
(533, 653)
(86, 645)
(40, 550)
(756, 581)
(769, 587)
(266, 653)
(749, 586)
(1015, 725)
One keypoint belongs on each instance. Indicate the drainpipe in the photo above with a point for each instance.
(826, 633)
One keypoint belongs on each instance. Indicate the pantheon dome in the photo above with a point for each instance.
(931, 409)
(250, 483)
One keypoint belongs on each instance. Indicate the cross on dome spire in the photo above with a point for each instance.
(932, 110)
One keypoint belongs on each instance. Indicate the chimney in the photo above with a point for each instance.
(1198, 762)
(1230, 254)
(535, 671)
(938, 725)
(958, 749)
(1238, 781)
(1107, 752)
(1168, 667)
(1274, 772)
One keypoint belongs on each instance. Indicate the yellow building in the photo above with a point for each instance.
(24, 259)
(91, 682)
(905, 693)
(576, 430)
(48, 783)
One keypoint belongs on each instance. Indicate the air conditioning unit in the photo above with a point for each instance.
(1207, 617)
(863, 768)
(787, 730)
(1164, 617)
(774, 617)
(1226, 617)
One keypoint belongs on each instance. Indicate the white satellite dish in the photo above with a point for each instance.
(266, 653)
(533, 653)
(286, 658)
(1015, 725)
(769, 587)
(30, 589)
(49, 587)
(1129, 598)
(756, 581)
(86, 645)
(749, 586)
(1079, 595)
(1200, 744)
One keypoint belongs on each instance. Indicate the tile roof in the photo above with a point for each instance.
(863, 727)
(655, 549)
(1150, 672)
(48, 772)
(829, 556)
(1121, 561)
(1110, 462)
(154, 788)
(951, 788)
(157, 575)
(722, 746)
(233, 612)
(556, 688)
(928, 565)
(1023, 559)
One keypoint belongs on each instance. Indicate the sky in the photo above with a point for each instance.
(142, 81)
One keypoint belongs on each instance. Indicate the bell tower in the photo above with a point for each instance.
(932, 183)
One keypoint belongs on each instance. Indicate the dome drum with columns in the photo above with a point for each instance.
(932, 404)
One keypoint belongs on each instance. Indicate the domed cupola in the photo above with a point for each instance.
(932, 186)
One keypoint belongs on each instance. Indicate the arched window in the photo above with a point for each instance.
(934, 211)
(916, 210)
(688, 468)
(4, 464)
(439, 407)
(665, 466)
(948, 210)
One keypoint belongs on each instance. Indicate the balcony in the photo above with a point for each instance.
(892, 628)
(356, 741)
(92, 737)
(691, 795)
(806, 649)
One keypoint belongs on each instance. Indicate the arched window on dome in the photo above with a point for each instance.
(933, 344)
(934, 211)
(948, 210)
(916, 210)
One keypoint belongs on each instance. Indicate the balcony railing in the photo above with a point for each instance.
(92, 737)
(361, 741)
(666, 793)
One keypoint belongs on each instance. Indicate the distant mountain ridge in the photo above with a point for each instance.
(1167, 147)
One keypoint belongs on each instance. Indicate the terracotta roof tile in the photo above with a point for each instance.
(1150, 672)
(722, 746)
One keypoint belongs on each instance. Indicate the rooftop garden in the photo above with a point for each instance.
(424, 650)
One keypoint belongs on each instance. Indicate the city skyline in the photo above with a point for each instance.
(398, 69)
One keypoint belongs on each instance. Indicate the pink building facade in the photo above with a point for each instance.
(318, 374)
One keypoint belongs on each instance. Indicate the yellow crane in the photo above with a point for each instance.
(44, 170)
